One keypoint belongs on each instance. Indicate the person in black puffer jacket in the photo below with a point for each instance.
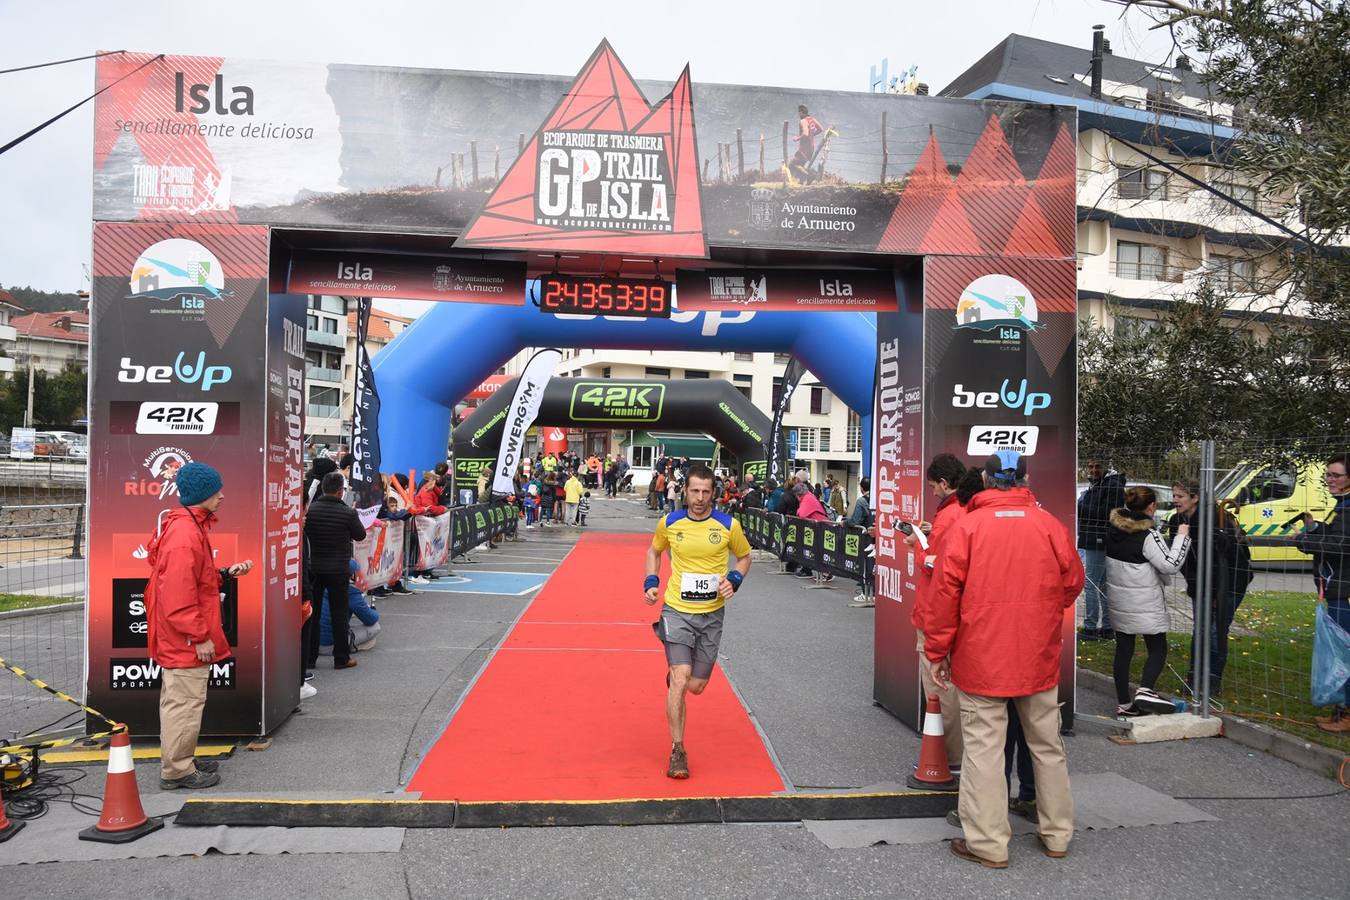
(330, 528)
(1137, 560)
(1328, 542)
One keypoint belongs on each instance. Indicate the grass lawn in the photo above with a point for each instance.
(1268, 675)
(29, 601)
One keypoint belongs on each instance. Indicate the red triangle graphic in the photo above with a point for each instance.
(1032, 236)
(1056, 192)
(927, 188)
(950, 232)
(603, 98)
(992, 187)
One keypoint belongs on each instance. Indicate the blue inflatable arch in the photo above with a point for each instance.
(448, 351)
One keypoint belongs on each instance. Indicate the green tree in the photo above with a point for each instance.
(1213, 367)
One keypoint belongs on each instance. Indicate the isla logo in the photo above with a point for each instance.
(996, 302)
(178, 269)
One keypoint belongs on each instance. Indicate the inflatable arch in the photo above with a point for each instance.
(443, 355)
(705, 404)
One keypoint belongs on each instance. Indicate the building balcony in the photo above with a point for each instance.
(324, 339)
(1138, 271)
(7, 333)
(6, 365)
(319, 373)
(322, 411)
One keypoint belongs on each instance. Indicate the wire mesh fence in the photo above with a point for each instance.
(1230, 557)
(43, 543)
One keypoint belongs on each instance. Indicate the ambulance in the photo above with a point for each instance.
(1270, 502)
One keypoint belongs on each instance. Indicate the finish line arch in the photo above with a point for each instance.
(427, 369)
(703, 404)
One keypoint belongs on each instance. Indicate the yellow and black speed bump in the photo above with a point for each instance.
(381, 813)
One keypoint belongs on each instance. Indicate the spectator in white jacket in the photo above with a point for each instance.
(1138, 564)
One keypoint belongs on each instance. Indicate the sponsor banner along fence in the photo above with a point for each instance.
(433, 541)
(831, 547)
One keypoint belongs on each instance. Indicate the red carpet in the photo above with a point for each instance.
(572, 707)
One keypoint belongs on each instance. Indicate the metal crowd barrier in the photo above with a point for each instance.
(831, 547)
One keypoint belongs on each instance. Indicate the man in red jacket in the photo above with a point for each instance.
(1007, 573)
(185, 636)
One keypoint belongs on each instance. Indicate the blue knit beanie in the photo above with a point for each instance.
(197, 482)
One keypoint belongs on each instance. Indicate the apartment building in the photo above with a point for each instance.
(49, 340)
(1157, 209)
(325, 345)
(383, 328)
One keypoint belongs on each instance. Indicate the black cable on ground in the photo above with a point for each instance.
(59, 62)
(46, 788)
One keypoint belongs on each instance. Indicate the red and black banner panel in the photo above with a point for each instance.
(356, 274)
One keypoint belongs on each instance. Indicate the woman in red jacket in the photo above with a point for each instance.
(185, 636)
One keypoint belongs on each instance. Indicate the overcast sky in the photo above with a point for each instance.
(45, 182)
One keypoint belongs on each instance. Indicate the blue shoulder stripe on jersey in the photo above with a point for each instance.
(676, 516)
(722, 517)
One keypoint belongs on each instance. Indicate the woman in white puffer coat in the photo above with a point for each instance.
(1138, 563)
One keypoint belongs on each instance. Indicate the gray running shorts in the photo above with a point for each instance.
(691, 639)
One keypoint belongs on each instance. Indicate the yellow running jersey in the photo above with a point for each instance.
(701, 551)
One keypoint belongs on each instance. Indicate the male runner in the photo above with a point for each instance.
(700, 542)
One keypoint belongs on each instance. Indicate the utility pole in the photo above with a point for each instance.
(28, 414)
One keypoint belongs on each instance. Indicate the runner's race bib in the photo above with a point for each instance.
(698, 588)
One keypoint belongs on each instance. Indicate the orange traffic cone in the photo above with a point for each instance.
(123, 819)
(7, 828)
(932, 773)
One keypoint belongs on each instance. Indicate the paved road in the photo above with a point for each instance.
(45, 578)
(802, 660)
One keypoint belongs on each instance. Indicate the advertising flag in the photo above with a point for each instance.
(365, 419)
(791, 375)
(520, 416)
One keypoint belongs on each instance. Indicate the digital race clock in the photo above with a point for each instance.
(579, 294)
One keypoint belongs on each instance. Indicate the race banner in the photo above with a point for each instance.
(898, 489)
(399, 150)
(791, 375)
(520, 415)
(785, 290)
(433, 541)
(365, 477)
(185, 341)
(379, 556)
(810, 542)
(407, 277)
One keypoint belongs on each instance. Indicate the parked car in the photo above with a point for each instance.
(45, 443)
(76, 445)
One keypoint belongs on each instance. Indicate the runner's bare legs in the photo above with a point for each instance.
(681, 682)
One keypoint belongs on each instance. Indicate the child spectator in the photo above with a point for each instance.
(583, 507)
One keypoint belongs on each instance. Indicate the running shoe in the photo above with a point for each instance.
(862, 602)
(1127, 711)
(307, 691)
(1149, 703)
(400, 588)
(418, 579)
(679, 764)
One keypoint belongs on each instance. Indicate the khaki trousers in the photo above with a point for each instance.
(984, 787)
(948, 703)
(182, 697)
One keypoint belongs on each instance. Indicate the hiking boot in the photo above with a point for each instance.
(192, 781)
(209, 766)
(679, 763)
(1024, 808)
(1150, 703)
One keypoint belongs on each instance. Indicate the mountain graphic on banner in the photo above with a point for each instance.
(1056, 192)
(604, 98)
(927, 187)
(992, 188)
